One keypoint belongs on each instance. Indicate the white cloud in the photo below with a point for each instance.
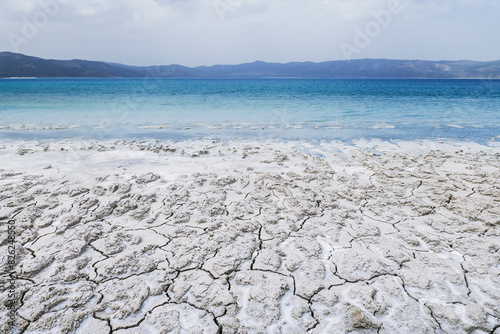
(192, 32)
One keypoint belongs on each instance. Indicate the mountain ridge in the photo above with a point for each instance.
(18, 65)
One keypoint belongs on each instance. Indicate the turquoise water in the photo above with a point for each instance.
(248, 108)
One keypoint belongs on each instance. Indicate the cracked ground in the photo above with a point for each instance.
(247, 237)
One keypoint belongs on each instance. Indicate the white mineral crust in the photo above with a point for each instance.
(252, 237)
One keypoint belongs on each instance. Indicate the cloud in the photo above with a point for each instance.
(196, 32)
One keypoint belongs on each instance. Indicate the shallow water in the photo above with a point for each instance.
(250, 108)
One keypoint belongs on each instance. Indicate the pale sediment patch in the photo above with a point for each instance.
(148, 127)
(206, 236)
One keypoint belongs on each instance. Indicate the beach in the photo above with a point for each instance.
(249, 236)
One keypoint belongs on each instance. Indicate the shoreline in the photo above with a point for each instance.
(274, 129)
(237, 236)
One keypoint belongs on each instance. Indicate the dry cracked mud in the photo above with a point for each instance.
(246, 237)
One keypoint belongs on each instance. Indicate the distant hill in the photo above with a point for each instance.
(18, 65)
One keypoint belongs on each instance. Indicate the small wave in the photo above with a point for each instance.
(26, 127)
(60, 127)
(21, 78)
(383, 126)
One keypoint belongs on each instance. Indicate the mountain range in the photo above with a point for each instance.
(19, 65)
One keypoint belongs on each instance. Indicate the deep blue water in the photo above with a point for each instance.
(250, 108)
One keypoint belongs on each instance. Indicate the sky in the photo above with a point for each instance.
(208, 32)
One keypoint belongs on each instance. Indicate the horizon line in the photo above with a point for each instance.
(257, 61)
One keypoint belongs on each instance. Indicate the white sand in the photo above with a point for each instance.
(204, 237)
